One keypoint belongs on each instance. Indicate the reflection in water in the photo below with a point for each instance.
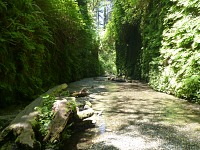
(102, 125)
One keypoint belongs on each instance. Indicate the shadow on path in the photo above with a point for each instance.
(134, 117)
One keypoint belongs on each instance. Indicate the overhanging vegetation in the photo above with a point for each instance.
(158, 41)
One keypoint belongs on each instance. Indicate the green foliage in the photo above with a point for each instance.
(107, 53)
(151, 30)
(65, 93)
(126, 36)
(23, 34)
(44, 43)
(158, 41)
(46, 114)
(179, 60)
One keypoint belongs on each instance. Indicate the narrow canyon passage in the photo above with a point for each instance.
(132, 116)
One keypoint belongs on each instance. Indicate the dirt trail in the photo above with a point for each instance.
(132, 116)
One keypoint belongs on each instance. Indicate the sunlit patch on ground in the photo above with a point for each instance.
(134, 117)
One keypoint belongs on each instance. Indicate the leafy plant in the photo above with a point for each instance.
(46, 114)
(44, 43)
(158, 41)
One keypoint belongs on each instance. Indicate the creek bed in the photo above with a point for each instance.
(132, 116)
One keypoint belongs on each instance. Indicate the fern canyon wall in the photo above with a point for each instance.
(45, 43)
(159, 42)
(42, 44)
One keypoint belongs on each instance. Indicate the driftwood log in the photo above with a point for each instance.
(60, 119)
(64, 114)
(86, 112)
(22, 128)
(117, 79)
(82, 93)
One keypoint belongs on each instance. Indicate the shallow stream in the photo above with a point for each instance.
(132, 116)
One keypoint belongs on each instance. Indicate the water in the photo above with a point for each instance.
(102, 125)
(134, 117)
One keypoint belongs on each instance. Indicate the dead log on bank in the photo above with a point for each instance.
(62, 111)
(85, 113)
(22, 126)
(82, 93)
(117, 79)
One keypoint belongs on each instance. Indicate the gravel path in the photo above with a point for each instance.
(132, 116)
